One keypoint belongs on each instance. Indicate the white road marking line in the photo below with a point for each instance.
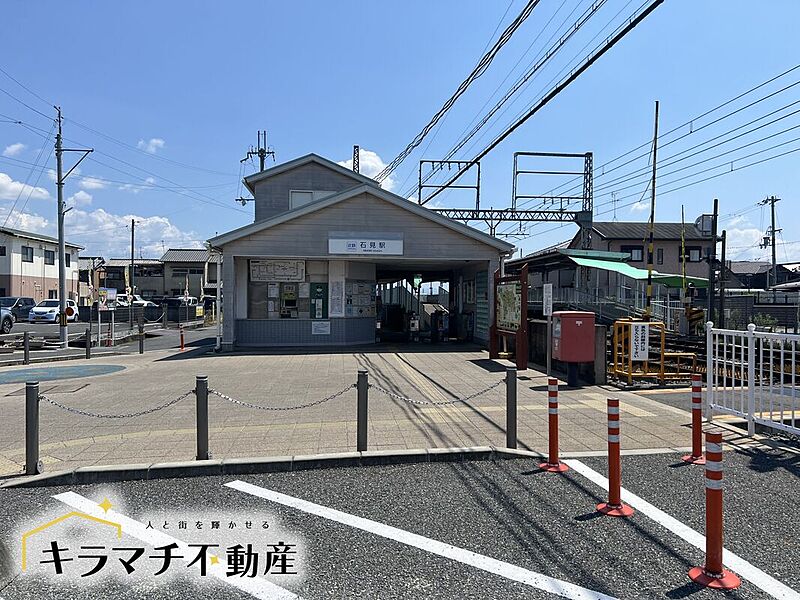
(467, 557)
(257, 586)
(753, 574)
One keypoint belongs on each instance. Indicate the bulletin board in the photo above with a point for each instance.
(359, 298)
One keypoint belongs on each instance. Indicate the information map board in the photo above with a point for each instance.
(509, 306)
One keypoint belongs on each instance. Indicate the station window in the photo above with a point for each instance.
(2, 250)
(298, 198)
(636, 252)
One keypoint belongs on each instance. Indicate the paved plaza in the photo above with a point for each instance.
(286, 379)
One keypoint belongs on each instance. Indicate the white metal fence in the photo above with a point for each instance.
(753, 374)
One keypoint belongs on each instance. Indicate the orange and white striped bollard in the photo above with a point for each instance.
(552, 465)
(713, 574)
(696, 457)
(614, 507)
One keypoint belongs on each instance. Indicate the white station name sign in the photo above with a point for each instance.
(365, 244)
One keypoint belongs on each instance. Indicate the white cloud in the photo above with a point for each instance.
(108, 234)
(25, 221)
(80, 198)
(640, 206)
(92, 183)
(134, 188)
(10, 189)
(14, 149)
(370, 164)
(152, 146)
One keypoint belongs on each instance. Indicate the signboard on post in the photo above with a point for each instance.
(106, 299)
(547, 299)
(509, 306)
(640, 342)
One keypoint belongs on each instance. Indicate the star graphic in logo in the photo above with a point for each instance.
(105, 504)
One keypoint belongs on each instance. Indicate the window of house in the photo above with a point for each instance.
(27, 254)
(180, 271)
(694, 253)
(66, 259)
(2, 292)
(636, 252)
(49, 257)
(52, 294)
(298, 198)
(2, 250)
(660, 256)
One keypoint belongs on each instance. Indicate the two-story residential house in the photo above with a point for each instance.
(29, 265)
(632, 238)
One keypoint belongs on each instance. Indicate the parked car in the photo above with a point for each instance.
(6, 320)
(180, 301)
(20, 306)
(47, 311)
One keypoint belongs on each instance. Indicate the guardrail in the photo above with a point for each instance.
(753, 375)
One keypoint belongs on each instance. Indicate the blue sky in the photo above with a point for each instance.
(175, 92)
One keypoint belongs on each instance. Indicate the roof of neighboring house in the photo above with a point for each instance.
(36, 236)
(378, 192)
(251, 180)
(185, 255)
(748, 267)
(90, 262)
(620, 230)
(126, 262)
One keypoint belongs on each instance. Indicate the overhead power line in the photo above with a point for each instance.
(476, 72)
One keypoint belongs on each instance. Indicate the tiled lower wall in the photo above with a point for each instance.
(297, 332)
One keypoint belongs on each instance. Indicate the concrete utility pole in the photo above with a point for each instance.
(651, 224)
(131, 279)
(712, 259)
(722, 278)
(769, 239)
(63, 333)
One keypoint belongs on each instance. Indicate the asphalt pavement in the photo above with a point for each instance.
(437, 530)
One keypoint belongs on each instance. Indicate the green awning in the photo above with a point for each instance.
(673, 281)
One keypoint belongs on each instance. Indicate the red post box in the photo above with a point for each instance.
(573, 339)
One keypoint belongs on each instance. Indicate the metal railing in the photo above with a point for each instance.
(753, 375)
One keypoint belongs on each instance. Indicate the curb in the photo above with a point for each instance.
(250, 466)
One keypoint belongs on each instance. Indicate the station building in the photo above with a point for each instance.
(326, 242)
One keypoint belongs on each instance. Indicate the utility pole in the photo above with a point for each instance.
(722, 278)
(712, 260)
(651, 224)
(132, 278)
(769, 239)
(63, 333)
(262, 151)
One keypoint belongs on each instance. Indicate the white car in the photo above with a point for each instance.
(47, 311)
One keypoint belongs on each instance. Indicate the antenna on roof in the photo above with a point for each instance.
(356, 152)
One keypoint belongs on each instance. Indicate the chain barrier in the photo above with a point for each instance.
(280, 408)
(85, 413)
(432, 402)
(158, 320)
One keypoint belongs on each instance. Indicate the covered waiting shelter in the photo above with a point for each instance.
(636, 274)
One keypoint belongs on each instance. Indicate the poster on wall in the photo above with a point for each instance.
(277, 270)
(337, 299)
(305, 290)
(320, 328)
(509, 306)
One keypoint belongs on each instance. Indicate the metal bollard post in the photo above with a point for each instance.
(164, 318)
(553, 464)
(511, 407)
(614, 507)
(696, 457)
(201, 392)
(361, 417)
(33, 466)
(88, 343)
(182, 346)
(713, 574)
(26, 348)
(141, 338)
